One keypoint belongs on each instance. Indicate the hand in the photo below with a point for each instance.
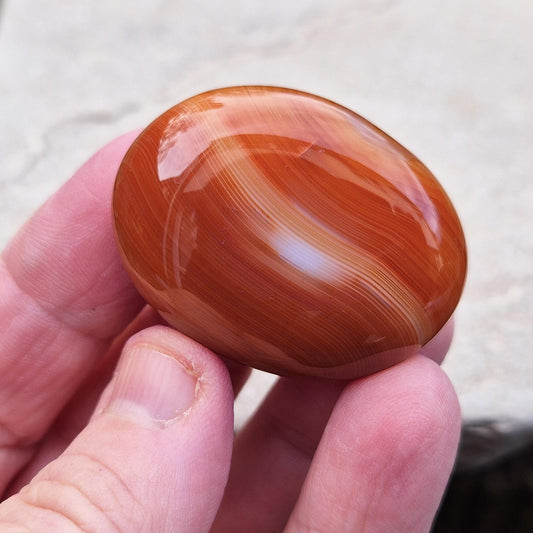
(111, 422)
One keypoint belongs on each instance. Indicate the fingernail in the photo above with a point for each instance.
(150, 383)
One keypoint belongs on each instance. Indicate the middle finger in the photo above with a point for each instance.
(272, 455)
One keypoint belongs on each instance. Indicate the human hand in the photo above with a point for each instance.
(111, 422)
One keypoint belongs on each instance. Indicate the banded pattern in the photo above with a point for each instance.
(288, 233)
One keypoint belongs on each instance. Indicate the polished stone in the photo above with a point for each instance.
(286, 232)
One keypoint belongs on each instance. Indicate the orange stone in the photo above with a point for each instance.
(286, 232)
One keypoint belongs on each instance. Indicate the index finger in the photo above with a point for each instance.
(64, 296)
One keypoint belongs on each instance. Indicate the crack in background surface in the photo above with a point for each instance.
(48, 138)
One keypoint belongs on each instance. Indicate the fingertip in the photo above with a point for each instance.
(159, 445)
(97, 174)
(177, 395)
(200, 359)
(437, 347)
(414, 398)
(115, 149)
(389, 446)
(163, 377)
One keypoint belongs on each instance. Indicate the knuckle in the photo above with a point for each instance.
(85, 493)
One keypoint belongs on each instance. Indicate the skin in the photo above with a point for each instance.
(88, 443)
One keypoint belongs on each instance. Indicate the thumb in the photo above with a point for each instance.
(155, 455)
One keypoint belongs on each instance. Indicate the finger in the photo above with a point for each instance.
(76, 414)
(272, 455)
(386, 454)
(438, 346)
(155, 455)
(63, 297)
(273, 452)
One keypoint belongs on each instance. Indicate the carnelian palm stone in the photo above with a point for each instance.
(286, 232)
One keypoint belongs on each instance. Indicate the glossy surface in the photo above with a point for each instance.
(286, 232)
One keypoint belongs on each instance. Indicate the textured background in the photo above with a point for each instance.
(453, 84)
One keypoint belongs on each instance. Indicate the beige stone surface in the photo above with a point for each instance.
(450, 80)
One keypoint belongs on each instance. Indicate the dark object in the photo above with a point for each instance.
(491, 490)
